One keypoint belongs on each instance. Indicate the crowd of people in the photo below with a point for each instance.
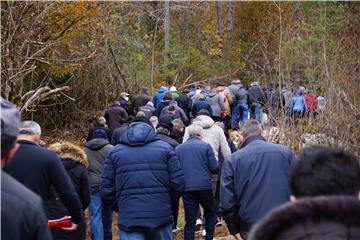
(143, 155)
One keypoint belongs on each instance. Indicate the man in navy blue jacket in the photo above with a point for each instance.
(197, 160)
(139, 173)
(254, 180)
(40, 169)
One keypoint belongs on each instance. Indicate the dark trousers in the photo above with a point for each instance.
(191, 202)
(175, 198)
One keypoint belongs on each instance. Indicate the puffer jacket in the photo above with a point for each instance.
(217, 105)
(199, 105)
(330, 218)
(213, 135)
(96, 151)
(146, 169)
(298, 102)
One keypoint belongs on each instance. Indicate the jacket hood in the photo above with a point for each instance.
(309, 215)
(97, 143)
(163, 89)
(138, 134)
(204, 121)
(298, 92)
(69, 163)
(67, 150)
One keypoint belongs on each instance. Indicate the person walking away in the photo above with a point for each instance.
(114, 115)
(254, 180)
(287, 95)
(311, 105)
(241, 108)
(164, 130)
(138, 176)
(176, 111)
(217, 105)
(201, 104)
(298, 106)
(158, 96)
(96, 151)
(140, 100)
(184, 101)
(178, 130)
(228, 101)
(117, 132)
(274, 102)
(197, 160)
(125, 104)
(321, 103)
(75, 163)
(41, 170)
(99, 126)
(148, 109)
(257, 99)
(167, 99)
(22, 211)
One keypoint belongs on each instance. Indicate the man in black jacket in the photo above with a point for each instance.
(115, 115)
(184, 101)
(40, 169)
(254, 180)
(22, 213)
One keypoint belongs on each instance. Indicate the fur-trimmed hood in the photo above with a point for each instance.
(331, 218)
(67, 150)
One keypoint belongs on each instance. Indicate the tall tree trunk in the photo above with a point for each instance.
(186, 23)
(167, 25)
(229, 28)
(220, 24)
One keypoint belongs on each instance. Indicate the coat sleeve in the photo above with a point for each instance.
(63, 185)
(176, 175)
(84, 189)
(224, 146)
(212, 162)
(228, 204)
(38, 223)
(221, 103)
(210, 110)
(108, 183)
(183, 116)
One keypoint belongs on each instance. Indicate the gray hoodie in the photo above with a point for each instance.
(213, 135)
(96, 151)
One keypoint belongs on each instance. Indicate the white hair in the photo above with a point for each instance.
(30, 128)
(251, 127)
(195, 130)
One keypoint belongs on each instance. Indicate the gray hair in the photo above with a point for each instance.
(30, 128)
(251, 127)
(102, 121)
(154, 121)
(178, 122)
(195, 130)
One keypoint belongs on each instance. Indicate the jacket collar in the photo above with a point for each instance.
(26, 142)
(252, 139)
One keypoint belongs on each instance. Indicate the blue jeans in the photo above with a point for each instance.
(107, 214)
(191, 202)
(239, 113)
(258, 112)
(163, 233)
(95, 206)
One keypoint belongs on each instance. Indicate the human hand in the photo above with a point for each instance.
(238, 236)
(70, 229)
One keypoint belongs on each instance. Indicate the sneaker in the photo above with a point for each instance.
(218, 222)
(176, 230)
(203, 233)
(198, 224)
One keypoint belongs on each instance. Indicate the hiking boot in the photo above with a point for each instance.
(198, 224)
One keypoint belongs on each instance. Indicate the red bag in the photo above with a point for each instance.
(60, 223)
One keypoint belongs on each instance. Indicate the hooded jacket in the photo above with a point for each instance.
(217, 105)
(330, 218)
(213, 135)
(96, 151)
(254, 180)
(185, 102)
(158, 97)
(146, 169)
(201, 104)
(75, 163)
(114, 116)
(298, 102)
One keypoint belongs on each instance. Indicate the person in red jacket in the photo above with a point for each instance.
(311, 105)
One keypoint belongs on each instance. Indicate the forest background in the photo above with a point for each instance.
(63, 63)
